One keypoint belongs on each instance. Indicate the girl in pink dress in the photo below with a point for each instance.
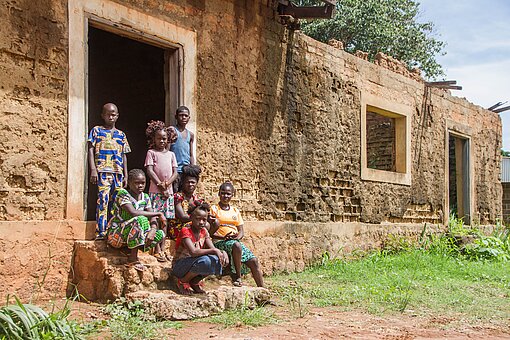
(161, 167)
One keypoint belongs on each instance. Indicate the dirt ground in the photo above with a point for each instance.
(329, 323)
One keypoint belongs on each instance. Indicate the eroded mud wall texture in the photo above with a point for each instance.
(33, 107)
(33, 147)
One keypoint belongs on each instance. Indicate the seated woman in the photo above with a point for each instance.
(130, 224)
(196, 257)
(186, 194)
(228, 233)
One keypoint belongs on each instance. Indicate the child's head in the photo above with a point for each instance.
(198, 210)
(110, 114)
(226, 192)
(159, 135)
(182, 115)
(136, 180)
(189, 178)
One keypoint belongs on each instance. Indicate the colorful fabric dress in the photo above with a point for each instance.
(109, 149)
(127, 230)
(175, 225)
(163, 164)
(229, 221)
(183, 261)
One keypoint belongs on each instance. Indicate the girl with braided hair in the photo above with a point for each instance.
(134, 224)
(195, 256)
(189, 179)
(161, 166)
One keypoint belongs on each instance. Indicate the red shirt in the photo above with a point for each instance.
(186, 232)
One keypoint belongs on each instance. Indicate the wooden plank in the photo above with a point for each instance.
(441, 83)
(501, 109)
(307, 12)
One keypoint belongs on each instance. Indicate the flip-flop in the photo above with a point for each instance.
(198, 287)
(136, 266)
(160, 257)
(184, 287)
(238, 282)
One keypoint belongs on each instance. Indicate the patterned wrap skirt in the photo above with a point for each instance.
(246, 254)
(162, 204)
(132, 233)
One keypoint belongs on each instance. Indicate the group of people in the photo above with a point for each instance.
(207, 237)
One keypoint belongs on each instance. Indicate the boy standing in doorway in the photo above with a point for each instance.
(183, 146)
(107, 159)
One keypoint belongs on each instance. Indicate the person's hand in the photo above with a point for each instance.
(231, 236)
(162, 219)
(150, 236)
(124, 182)
(93, 176)
(225, 258)
(166, 194)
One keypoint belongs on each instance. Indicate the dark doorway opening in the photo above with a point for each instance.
(459, 177)
(132, 75)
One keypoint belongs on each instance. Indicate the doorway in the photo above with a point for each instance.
(459, 188)
(135, 76)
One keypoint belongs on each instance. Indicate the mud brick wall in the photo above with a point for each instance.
(33, 110)
(277, 113)
(380, 142)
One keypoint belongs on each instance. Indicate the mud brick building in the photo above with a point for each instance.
(328, 151)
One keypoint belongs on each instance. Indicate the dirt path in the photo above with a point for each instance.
(328, 323)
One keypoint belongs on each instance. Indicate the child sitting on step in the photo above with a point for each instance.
(196, 257)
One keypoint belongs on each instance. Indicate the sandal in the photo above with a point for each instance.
(238, 282)
(136, 266)
(184, 287)
(161, 257)
(198, 287)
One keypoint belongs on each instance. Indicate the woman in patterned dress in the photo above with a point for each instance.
(134, 224)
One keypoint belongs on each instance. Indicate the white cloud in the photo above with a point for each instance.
(478, 49)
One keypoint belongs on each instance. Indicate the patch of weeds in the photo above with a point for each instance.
(293, 295)
(244, 316)
(255, 317)
(128, 320)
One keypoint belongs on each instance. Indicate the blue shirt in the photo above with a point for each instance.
(181, 149)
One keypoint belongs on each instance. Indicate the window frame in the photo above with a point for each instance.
(402, 114)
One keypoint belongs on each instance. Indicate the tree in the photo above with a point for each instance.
(387, 26)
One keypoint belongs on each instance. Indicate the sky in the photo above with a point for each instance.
(477, 34)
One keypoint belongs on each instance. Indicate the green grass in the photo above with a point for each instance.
(414, 281)
(130, 321)
(258, 316)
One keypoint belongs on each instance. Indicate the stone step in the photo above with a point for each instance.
(168, 305)
(99, 273)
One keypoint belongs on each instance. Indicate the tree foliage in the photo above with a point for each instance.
(387, 26)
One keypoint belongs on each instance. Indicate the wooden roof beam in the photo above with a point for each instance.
(287, 8)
